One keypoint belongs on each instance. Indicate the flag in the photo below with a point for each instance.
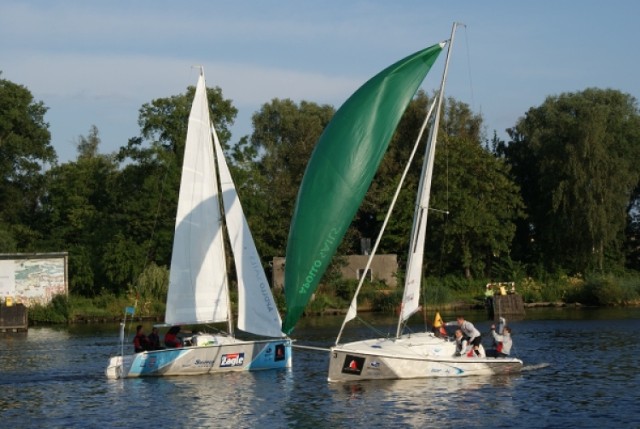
(438, 323)
(129, 310)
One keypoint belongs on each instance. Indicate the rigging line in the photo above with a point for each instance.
(466, 38)
(373, 328)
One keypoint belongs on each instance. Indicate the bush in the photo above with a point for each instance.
(609, 290)
(57, 311)
(153, 283)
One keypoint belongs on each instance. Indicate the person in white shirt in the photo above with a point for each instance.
(503, 341)
(472, 335)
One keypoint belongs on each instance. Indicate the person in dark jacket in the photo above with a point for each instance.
(154, 340)
(140, 341)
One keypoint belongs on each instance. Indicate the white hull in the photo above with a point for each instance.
(233, 355)
(421, 355)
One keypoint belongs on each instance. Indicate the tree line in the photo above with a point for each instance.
(560, 195)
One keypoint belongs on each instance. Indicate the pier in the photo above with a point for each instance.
(13, 318)
(503, 301)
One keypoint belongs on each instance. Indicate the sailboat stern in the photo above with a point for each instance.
(114, 368)
(271, 355)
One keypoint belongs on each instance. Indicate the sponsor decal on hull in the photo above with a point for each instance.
(232, 359)
(150, 362)
(204, 363)
(353, 365)
(280, 354)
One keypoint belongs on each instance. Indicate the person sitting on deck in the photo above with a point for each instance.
(462, 345)
(140, 341)
(171, 339)
(154, 340)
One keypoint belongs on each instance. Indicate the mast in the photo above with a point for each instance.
(416, 247)
(223, 225)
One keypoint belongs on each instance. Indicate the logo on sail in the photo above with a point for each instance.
(232, 359)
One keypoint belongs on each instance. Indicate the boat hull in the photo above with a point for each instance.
(411, 356)
(231, 356)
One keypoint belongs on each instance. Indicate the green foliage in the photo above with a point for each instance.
(345, 288)
(25, 153)
(57, 311)
(572, 160)
(153, 282)
(384, 299)
(472, 186)
(272, 164)
(608, 290)
(575, 158)
(321, 302)
(438, 291)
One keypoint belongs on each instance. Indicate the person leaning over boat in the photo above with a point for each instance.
(470, 332)
(504, 341)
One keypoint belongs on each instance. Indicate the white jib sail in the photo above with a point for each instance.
(257, 311)
(198, 291)
(411, 296)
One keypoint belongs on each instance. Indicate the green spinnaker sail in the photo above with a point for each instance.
(340, 172)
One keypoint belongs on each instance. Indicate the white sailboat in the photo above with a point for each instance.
(208, 207)
(343, 165)
(412, 355)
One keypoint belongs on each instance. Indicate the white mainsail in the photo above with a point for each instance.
(198, 291)
(257, 311)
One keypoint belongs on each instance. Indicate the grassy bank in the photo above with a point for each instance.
(448, 292)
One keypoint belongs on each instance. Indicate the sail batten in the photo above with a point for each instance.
(340, 171)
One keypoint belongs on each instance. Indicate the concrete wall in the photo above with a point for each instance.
(32, 278)
(383, 267)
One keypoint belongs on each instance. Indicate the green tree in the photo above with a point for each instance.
(88, 146)
(274, 162)
(25, 150)
(477, 203)
(469, 183)
(78, 213)
(575, 157)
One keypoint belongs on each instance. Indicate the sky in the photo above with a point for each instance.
(97, 62)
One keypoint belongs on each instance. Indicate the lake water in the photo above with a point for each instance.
(582, 370)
